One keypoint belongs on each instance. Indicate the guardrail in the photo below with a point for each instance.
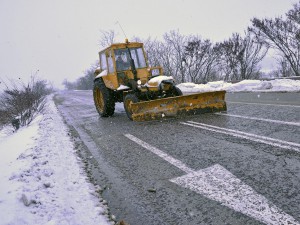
(274, 78)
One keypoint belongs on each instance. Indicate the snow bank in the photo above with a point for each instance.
(282, 85)
(156, 81)
(41, 179)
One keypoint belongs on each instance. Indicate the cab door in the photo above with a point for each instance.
(110, 78)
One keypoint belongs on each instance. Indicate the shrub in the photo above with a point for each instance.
(23, 101)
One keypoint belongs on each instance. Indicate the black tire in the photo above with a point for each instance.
(174, 91)
(129, 98)
(177, 91)
(103, 99)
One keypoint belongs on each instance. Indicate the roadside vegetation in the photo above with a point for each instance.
(194, 59)
(21, 101)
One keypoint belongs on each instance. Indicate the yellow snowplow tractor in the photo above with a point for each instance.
(125, 76)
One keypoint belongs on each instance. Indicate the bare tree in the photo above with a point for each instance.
(240, 57)
(200, 60)
(282, 34)
(176, 42)
(84, 82)
(152, 51)
(166, 55)
(159, 54)
(107, 38)
(68, 85)
(254, 52)
(284, 68)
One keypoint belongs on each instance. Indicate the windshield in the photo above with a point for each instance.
(123, 58)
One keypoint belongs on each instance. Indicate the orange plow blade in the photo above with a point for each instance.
(178, 106)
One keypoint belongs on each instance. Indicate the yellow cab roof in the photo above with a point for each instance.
(124, 45)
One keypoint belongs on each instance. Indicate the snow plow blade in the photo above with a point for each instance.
(179, 106)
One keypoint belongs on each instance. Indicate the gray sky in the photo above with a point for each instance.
(59, 38)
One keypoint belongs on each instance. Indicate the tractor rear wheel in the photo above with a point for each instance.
(103, 99)
(128, 100)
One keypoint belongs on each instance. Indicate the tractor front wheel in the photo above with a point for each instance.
(103, 99)
(128, 100)
(177, 91)
(174, 91)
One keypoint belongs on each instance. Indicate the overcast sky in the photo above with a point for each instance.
(59, 39)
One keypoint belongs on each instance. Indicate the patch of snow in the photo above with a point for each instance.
(123, 87)
(41, 178)
(102, 74)
(5, 132)
(156, 81)
(278, 85)
(286, 85)
(195, 88)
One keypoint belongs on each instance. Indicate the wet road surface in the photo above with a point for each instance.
(238, 167)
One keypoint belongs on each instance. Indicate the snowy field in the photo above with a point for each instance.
(42, 180)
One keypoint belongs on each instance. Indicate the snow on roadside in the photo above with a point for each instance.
(282, 85)
(41, 180)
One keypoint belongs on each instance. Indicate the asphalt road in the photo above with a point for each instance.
(238, 167)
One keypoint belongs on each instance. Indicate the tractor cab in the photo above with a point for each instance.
(125, 64)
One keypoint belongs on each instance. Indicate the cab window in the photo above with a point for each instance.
(138, 54)
(123, 58)
(103, 62)
(110, 63)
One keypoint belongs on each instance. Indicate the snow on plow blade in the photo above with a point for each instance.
(177, 106)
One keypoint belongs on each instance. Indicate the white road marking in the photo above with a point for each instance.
(248, 136)
(220, 185)
(261, 119)
(160, 153)
(252, 103)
